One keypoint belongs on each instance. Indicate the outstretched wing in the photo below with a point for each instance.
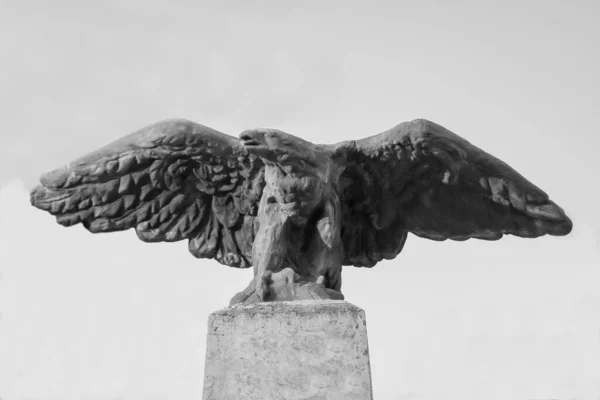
(170, 181)
(419, 177)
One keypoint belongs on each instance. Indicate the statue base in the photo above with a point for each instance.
(312, 349)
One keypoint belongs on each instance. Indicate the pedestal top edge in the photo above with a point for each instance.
(298, 306)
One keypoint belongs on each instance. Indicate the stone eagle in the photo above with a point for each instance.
(296, 211)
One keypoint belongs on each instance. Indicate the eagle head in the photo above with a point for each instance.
(288, 151)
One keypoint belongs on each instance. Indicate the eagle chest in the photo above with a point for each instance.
(293, 192)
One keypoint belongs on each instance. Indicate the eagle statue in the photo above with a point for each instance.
(296, 211)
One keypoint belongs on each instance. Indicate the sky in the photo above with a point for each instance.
(107, 317)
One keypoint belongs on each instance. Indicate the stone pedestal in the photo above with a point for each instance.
(314, 349)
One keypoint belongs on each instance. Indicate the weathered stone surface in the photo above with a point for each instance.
(293, 210)
(295, 350)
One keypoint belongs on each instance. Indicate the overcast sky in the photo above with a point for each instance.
(109, 317)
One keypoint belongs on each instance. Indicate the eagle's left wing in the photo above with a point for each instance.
(419, 177)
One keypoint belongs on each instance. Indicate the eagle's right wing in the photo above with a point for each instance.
(170, 181)
(419, 177)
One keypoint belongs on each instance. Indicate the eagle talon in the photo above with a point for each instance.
(257, 291)
(262, 288)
